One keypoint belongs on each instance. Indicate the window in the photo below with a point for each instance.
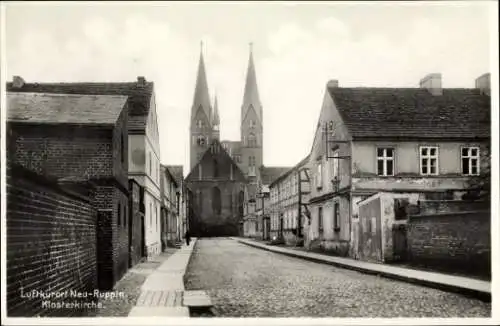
(470, 160)
(336, 217)
(125, 217)
(401, 207)
(252, 140)
(216, 200)
(251, 165)
(252, 124)
(385, 162)
(200, 140)
(200, 124)
(320, 219)
(428, 160)
(319, 177)
(216, 169)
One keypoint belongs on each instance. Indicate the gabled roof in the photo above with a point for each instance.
(413, 112)
(177, 172)
(165, 170)
(64, 108)
(270, 173)
(139, 95)
(220, 155)
(290, 170)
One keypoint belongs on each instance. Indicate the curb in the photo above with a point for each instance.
(483, 296)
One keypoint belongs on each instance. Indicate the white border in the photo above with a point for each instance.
(495, 224)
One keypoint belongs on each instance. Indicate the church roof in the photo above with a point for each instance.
(251, 92)
(201, 96)
(219, 154)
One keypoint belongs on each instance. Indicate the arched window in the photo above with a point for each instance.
(216, 200)
(201, 140)
(216, 169)
(200, 199)
(252, 140)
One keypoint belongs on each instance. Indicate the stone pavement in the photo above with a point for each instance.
(162, 292)
(463, 285)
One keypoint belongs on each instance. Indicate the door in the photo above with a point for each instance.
(281, 226)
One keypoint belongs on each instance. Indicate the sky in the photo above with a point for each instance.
(297, 48)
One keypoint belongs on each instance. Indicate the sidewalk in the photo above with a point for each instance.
(162, 292)
(463, 285)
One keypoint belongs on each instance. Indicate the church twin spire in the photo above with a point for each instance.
(202, 96)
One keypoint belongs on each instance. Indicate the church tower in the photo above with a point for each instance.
(216, 121)
(251, 125)
(201, 116)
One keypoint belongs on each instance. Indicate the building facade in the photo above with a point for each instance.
(79, 138)
(426, 141)
(288, 193)
(170, 209)
(217, 186)
(143, 140)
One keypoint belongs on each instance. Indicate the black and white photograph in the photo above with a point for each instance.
(233, 163)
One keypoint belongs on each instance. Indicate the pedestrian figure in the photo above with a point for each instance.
(188, 238)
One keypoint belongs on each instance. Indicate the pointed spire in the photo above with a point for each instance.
(216, 120)
(201, 95)
(251, 94)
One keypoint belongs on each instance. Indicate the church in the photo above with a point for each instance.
(223, 171)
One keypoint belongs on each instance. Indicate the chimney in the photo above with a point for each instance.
(483, 84)
(333, 83)
(17, 82)
(432, 82)
(141, 81)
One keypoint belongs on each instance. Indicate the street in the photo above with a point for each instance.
(243, 281)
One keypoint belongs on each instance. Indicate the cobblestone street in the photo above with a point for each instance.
(247, 282)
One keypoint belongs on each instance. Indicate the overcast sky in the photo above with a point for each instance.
(297, 49)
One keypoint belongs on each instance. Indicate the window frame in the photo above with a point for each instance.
(384, 158)
(470, 158)
(319, 174)
(429, 157)
(336, 216)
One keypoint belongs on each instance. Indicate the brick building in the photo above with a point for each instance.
(428, 140)
(217, 186)
(79, 138)
(143, 139)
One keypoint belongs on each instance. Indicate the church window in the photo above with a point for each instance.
(200, 124)
(201, 140)
(216, 200)
(216, 169)
(241, 200)
(251, 165)
(252, 124)
(252, 140)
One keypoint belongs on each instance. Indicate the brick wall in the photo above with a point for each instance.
(51, 241)
(455, 242)
(446, 206)
(89, 153)
(112, 235)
